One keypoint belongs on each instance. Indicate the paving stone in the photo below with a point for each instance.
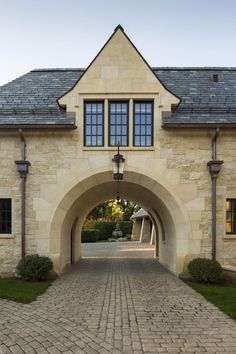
(117, 300)
(16, 349)
(4, 349)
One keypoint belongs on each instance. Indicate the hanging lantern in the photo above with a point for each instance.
(118, 162)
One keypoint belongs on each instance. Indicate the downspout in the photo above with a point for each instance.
(213, 144)
(23, 168)
(214, 169)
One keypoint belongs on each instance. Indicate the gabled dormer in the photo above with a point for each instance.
(119, 96)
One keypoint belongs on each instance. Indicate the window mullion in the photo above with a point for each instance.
(106, 123)
(131, 123)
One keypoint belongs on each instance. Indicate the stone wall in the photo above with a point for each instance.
(9, 188)
(180, 160)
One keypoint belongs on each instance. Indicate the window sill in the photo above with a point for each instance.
(2, 236)
(122, 148)
(229, 268)
(230, 237)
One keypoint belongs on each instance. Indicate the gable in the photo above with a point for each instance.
(118, 68)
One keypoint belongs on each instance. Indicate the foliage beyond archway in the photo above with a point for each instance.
(111, 210)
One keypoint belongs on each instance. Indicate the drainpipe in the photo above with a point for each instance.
(23, 168)
(214, 168)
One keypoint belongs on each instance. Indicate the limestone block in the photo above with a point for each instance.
(186, 192)
(196, 204)
(41, 204)
(43, 246)
(196, 235)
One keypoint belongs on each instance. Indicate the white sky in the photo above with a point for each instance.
(69, 33)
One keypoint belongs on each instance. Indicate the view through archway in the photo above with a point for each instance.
(118, 224)
(161, 204)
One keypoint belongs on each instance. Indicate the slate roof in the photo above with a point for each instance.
(203, 101)
(32, 98)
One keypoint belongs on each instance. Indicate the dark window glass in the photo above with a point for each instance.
(5, 216)
(93, 123)
(230, 216)
(143, 123)
(118, 123)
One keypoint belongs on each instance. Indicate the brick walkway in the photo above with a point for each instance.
(118, 299)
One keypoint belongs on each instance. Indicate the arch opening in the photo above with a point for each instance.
(166, 213)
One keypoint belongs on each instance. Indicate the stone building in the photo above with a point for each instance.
(143, 228)
(59, 131)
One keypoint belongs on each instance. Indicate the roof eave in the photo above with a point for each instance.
(198, 125)
(38, 126)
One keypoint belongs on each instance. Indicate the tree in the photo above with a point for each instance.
(117, 211)
(113, 210)
(101, 211)
(129, 208)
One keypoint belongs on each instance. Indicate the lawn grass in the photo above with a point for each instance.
(223, 296)
(22, 291)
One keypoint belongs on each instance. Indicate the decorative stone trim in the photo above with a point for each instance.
(124, 148)
(3, 236)
(229, 268)
(230, 237)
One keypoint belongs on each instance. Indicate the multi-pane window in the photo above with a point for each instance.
(94, 124)
(118, 123)
(231, 216)
(143, 123)
(5, 216)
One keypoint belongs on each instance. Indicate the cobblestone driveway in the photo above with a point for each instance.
(118, 299)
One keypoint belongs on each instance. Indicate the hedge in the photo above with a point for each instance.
(90, 235)
(106, 227)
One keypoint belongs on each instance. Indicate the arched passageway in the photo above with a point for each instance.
(165, 210)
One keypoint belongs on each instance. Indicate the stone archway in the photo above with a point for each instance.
(159, 202)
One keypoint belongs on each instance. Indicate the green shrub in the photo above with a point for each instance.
(90, 235)
(34, 267)
(106, 228)
(205, 270)
(126, 227)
